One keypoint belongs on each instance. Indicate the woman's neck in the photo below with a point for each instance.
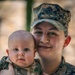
(50, 66)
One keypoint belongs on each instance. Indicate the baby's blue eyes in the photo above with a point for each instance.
(25, 49)
(16, 49)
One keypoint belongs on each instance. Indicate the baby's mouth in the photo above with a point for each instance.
(21, 59)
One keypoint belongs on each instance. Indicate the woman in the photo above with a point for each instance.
(50, 29)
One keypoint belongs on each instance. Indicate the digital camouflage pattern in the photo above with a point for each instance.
(3, 63)
(34, 69)
(52, 13)
(65, 69)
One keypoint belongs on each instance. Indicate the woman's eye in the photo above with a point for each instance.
(38, 33)
(16, 49)
(26, 49)
(52, 34)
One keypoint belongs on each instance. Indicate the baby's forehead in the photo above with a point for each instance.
(21, 34)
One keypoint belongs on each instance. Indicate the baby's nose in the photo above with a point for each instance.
(20, 52)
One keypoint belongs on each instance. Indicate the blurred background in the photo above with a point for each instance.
(17, 14)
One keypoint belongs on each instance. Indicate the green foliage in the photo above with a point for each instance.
(29, 13)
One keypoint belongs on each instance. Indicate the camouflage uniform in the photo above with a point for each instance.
(34, 69)
(60, 18)
(54, 14)
(65, 68)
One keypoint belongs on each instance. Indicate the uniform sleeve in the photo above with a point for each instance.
(3, 63)
(38, 68)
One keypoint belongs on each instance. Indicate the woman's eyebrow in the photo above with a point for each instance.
(54, 28)
(38, 28)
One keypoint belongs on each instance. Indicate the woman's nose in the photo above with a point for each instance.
(44, 39)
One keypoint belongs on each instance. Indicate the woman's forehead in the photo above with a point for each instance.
(45, 25)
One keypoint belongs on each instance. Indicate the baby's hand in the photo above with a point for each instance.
(9, 71)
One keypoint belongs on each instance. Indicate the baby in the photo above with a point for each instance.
(21, 53)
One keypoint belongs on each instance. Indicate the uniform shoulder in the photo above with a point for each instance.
(70, 68)
(38, 68)
(3, 63)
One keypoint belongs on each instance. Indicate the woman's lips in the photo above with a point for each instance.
(45, 47)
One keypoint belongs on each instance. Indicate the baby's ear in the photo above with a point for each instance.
(7, 51)
(35, 52)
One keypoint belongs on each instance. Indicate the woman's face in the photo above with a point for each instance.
(50, 40)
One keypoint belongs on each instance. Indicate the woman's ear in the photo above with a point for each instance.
(67, 41)
(7, 51)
